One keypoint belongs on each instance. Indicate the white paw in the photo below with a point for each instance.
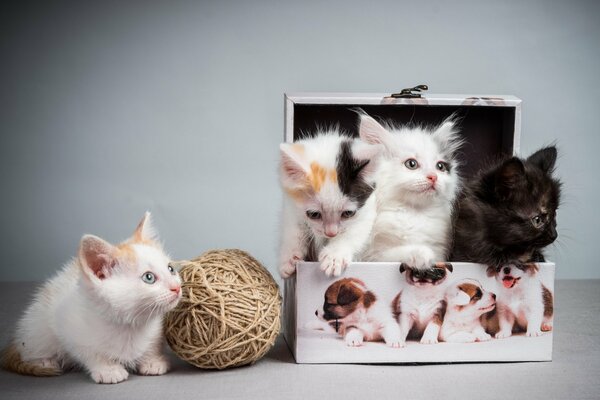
(354, 338)
(428, 340)
(394, 340)
(110, 374)
(421, 258)
(157, 366)
(533, 333)
(288, 267)
(332, 263)
(396, 344)
(503, 334)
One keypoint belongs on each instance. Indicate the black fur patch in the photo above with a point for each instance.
(492, 220)
(350, 179)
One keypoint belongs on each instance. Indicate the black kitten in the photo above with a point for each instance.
(507, 213)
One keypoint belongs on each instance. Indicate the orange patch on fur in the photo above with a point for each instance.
(333, 176)
(126, 252)
(318, 176)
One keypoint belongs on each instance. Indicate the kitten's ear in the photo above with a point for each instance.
(293, 168)
(368, 156)
(373, 132)
(544, 158)
(97, 256)
(447, 135)
(510, 174)
(145, 230)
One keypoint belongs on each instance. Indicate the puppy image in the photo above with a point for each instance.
(419, 307)
(524, 303)
(354, 312)
(466, 302)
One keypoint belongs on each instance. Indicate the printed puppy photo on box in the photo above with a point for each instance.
(455, 313)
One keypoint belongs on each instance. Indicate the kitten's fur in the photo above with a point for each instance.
(98, 313)
(495, 221)
(414, 206)
(328, 207)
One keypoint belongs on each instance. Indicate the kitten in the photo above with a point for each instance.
(507, 214)
(103, 311)
(416, 187)
(328, 207)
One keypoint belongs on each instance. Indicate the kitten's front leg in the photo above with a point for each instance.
(334, 259)
(419, 257)
(103, 370)
(293, 244)
(153, 362)
(342, 249)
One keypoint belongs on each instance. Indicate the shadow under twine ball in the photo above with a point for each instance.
(229, 314)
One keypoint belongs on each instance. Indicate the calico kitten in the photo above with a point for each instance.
(507, 214)
(328, 207)
(416, 188)
(103, 311)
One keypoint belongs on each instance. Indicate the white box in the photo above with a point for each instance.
(491, 126)
(304, 294)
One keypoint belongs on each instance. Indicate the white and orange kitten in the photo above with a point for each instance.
(328, 207)
(417, 184)
(103, 311)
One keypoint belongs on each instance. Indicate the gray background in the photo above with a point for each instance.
(111, 108)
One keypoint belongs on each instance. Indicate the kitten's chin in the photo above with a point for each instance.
(171, 304)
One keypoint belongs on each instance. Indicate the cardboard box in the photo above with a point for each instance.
(491, 126)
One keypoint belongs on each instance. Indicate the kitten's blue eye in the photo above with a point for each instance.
(313, 214)
(171, 270)
(149, 278)
(442, 166)
(411, 163)
(348, 214)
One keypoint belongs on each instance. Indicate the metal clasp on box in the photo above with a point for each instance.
(410, 93)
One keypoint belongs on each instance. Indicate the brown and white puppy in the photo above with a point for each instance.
(419, 307)
(354, 312)
(466, 302)
(523, 303)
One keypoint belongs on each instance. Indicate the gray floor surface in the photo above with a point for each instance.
(574, 373)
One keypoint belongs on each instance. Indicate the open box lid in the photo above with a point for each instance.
(490, 124)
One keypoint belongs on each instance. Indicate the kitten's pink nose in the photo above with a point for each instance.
(176, 289)
(331, 231)
(432, 178)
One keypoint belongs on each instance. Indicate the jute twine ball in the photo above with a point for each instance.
(229, 314)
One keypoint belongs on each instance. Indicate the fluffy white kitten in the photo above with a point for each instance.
(328, 208)
(103, 311)
(416, 187)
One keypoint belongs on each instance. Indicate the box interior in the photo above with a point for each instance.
(488, 130)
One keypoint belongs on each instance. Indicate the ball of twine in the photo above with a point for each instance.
(229, 314)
